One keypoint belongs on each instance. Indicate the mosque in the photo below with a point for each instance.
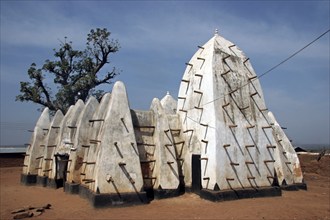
(218, 140)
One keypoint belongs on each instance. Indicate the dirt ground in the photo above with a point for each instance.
(311, 204)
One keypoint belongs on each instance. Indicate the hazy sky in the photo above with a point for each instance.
(157, 38)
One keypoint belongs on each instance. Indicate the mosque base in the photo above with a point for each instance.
(28, 179)
(166, 193)
(226, 195)
(113, 199)
(295, 187)
(52, 183)
(42, 180)
(72, 188)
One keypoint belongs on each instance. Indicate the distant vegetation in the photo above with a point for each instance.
(314, 147)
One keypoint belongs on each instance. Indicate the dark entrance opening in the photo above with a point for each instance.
(61, 169)
(196, 173)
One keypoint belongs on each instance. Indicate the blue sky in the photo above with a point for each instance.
(158, 37)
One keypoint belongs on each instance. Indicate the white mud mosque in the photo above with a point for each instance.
(218, 139)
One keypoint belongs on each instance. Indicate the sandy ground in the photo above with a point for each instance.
(311, 204)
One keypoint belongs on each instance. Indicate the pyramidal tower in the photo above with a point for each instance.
(231, 140)
(218, 139)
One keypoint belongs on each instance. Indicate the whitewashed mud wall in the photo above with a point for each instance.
(220, 100)
(116, 162)
(287, 163)
(92, 148)
(35, 149)
(65, 141)
(219, 140)
(49, 148)
(166, 167)
(81, 140)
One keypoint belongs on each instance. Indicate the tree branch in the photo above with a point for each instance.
(74, 72)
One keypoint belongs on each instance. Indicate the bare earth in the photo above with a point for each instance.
(311, 204)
